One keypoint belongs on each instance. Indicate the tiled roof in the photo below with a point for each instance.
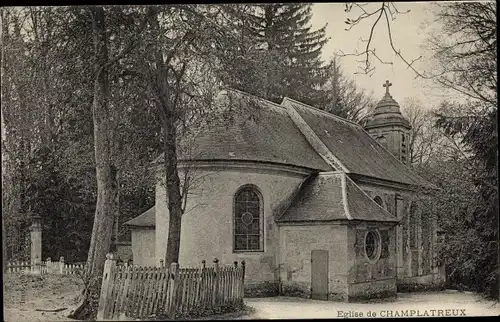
(262, 131)
(257, 130)
(146, 219)
(332, 197)
(355, 148)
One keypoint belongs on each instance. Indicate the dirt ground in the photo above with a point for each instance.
(26, 296)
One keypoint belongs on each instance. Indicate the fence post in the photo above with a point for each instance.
(234, 283)
(38, 266)
(48, 265)
(216, 283)
(36, 243)
(61, 265)
(243, 280)
(174, 276)
(107, 276)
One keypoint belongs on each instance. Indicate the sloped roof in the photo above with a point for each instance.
(355, 148)
(250, 128)
(331, 197)
(257, 130)
(146, 219)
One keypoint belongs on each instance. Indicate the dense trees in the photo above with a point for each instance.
(466, 58)
(285, 29)
(342, 97)
(456, 144)
(459, 143)
(278, 55)
(36, 139)
(293, 66)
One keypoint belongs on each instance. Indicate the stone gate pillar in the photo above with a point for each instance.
(36, 240)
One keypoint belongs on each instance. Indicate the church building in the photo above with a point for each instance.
(316, 205)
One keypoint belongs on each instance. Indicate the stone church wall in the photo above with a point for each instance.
(207, 225)
(143, 247)
(297, 243)
(415, 236)
(367, 278)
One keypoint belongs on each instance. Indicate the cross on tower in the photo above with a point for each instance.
(386, 85)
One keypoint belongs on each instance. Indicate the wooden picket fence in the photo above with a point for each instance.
(136, 292)
(46, 267)
(18, 267)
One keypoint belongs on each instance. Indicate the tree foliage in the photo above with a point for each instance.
(343, 98)
(465, 49)
(465, 52)
(294, 65)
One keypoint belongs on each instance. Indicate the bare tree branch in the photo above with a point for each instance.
(386, 9)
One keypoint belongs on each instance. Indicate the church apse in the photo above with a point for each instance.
(231, 217)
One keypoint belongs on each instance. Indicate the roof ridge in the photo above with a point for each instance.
(407, 169)
(322, 111)
(330, 173)
(254, 96)
(344, 196)
(312, 137)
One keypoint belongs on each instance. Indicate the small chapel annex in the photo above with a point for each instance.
(316, 205)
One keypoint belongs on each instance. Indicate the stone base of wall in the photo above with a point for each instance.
(374, 290)
(261, 289)
(423, 279)
(420, 283)
(405, 288)
(296, 289)
(338, 297)
(303, 290)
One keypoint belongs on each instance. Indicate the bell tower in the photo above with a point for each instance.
(388, 126)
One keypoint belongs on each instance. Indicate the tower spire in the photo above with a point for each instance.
(389, 127)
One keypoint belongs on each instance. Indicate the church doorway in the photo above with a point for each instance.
(319, 274)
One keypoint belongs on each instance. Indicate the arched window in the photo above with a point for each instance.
(247, 219)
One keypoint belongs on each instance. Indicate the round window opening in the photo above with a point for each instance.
(247, 218)
(372, 245)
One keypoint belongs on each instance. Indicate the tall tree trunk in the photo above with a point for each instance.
(5, 100)
(169, 112)
(105, 172)
(174, 198)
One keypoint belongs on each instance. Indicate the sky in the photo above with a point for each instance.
(409, 33)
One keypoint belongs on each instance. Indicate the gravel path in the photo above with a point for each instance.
(445, 303)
